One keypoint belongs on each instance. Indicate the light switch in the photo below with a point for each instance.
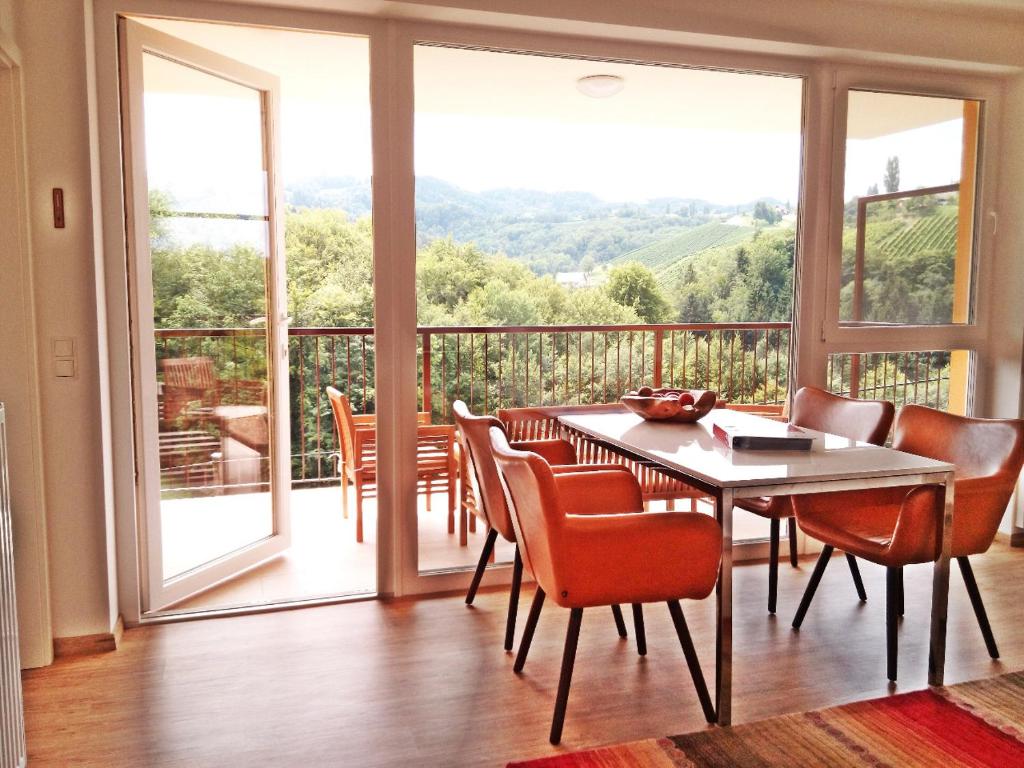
(64, 368)
(64, 347)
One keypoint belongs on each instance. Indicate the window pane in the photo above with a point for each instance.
(909, 213)
(587, 228)
(935, 378)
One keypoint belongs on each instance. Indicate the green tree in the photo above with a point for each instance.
(633, 285)
(892, 174)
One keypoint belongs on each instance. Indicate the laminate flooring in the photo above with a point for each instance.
(426, 683)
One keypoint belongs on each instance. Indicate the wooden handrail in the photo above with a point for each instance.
(173, 333)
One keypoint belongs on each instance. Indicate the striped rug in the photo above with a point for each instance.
(972, 724)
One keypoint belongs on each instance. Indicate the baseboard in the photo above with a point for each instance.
(84, 645)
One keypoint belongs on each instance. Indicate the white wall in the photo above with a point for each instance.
(18, 381)
(52, 39)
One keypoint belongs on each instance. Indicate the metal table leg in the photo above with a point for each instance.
(940, 592)
(723, 642)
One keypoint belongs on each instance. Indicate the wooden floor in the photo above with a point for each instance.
(426, 683)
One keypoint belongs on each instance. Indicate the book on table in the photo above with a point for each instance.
(764, 435)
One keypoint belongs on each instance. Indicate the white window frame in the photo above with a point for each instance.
(833, 336)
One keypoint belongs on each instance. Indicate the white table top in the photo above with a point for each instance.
(693, 450)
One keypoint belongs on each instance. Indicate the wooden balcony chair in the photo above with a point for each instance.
(191, 391)
(491, 506)
(436, 463)
(864, 420)
(584, 553)
(896, 527)
(541, 422)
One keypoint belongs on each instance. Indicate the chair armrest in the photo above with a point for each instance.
(565, 469)
(608, 492)
(554, 451)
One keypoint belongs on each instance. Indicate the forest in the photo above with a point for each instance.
(724, 267)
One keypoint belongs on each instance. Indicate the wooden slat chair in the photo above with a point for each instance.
(541, 422)
(191, 391)
(436, 462)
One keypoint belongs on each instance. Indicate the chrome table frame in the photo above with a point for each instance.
(725, 497)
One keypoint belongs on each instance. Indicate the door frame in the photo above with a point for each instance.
(137, 40)
(391, 48)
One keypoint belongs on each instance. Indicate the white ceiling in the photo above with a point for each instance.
(335, 69)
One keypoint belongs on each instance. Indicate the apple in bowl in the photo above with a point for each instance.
(670, 404)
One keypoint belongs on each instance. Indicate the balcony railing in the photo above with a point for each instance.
(495, 367)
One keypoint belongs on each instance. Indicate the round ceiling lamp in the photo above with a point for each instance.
(600, 86)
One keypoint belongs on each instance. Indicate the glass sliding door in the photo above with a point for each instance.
(586, 228)
(209, 314)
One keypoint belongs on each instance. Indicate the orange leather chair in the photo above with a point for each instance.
(896, 527)
(492, 507)
(864, 420)
(583, 554)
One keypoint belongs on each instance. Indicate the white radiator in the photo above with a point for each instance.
(12, 719)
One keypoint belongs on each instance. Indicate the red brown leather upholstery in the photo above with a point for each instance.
(900, 526)
(597, 558)
(864, 420)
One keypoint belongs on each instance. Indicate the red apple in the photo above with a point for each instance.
(685, 398)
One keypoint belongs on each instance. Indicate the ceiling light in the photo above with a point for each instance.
(600, 86)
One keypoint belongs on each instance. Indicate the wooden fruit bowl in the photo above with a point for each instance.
(663, 404)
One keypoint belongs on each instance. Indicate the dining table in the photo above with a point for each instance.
(691, 452)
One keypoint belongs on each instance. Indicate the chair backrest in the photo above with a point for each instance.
(344, 424)
(191, 372)
(474, 437)
(986, 450)
(864, 420)
(541, 422)
(536, 512)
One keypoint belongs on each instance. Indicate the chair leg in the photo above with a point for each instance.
(531, 626)
(620, 623)
(485, 555)
(359, 512)
(638, 628)
(979, 606)
(691, 660)
(773, 565)
(899, 593)
(513, 600)
(430, 492)
(892, 587)
(858, 583)
(812, 585)
(572, 637)
(792, 542)
(344, 494)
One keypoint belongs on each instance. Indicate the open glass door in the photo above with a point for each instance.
(209, 325)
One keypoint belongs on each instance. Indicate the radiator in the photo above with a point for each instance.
(12, 719)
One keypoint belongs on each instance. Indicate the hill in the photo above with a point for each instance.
(667, 251)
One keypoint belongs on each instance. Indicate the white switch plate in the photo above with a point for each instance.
(63, 346)
(64, 367)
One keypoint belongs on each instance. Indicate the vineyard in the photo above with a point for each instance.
(936, 232)
(664, 254)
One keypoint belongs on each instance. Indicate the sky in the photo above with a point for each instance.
(207, 149)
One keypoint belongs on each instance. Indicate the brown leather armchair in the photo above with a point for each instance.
(864, 420)
(896, 527)
(585, 560)
(492, 507)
